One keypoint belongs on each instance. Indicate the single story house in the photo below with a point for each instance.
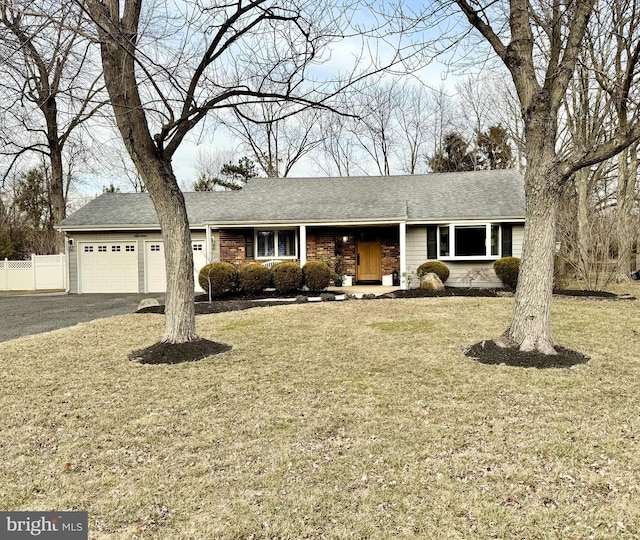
(378, 226)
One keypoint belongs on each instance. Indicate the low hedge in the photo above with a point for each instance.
(254, 278)
(437, 267)
(222, 277)
(317, 275)
(507, 270)
(287, 277)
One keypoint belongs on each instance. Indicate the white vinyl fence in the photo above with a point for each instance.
(42, 272)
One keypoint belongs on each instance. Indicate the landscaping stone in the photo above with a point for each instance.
(147, 302)
(431, 282)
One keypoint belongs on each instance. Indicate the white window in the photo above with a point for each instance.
(115, 249)
(469, 241)
(276, 243)
(155, 247)
(130, 248)
(197, 247)
(88, 249)
(102, 249)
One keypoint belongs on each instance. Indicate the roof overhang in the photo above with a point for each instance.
(285, 223)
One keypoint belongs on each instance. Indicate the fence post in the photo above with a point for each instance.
(6, 275)
(33, 269)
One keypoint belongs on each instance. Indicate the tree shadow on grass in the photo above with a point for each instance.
(177, 353)
(488, 352)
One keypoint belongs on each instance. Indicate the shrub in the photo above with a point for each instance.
(254, 278)
(507, 270)
(316, 275)
(437, 267)
(222, 277)
(287, 277)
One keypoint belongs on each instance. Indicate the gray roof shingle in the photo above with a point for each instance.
(429, 197)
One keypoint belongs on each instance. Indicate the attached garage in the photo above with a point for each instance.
(108, 267)
(155, 274)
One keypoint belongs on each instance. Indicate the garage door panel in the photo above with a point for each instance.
(156, 280)
(108, 267)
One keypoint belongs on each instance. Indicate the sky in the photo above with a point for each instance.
(184, 162)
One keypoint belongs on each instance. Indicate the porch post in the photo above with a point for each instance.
(303, 245)
(207, 252)
(403, 255)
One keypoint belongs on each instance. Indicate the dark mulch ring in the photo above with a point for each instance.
(176, 353)
(488, 352)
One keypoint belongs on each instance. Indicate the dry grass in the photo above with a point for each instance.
(358, 419)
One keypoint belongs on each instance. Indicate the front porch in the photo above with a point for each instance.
(370, 255)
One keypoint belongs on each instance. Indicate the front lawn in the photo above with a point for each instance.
(358, 419)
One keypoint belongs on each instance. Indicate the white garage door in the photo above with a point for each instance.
(108, 267)
(154, 262)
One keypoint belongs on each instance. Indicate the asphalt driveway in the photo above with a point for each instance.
(32, 314)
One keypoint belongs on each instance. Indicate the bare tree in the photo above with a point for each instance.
(338, 153)
(444, 108)
(375, 127)
(414, 114)
(614, 56)
(48, 87)
(539, 44)
(165, 70)
(277, 139)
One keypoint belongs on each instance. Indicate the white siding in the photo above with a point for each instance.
(478, 274)
(517, 236)
(416, 253)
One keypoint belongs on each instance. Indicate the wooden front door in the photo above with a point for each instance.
(369, 260)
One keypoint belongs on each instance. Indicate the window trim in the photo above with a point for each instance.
(275, 230)
(451, 231)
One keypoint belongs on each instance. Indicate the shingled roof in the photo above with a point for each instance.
(415, 198)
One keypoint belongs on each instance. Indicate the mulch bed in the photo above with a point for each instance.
(488, 352)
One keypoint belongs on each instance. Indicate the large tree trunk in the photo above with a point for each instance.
(56, 194)
(151, 161)
(170, 206)
(530, 329)
(49, 108)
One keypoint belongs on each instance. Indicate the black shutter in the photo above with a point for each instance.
(507, 242)
(432, 242)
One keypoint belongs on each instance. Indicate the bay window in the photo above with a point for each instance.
(472, 241)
